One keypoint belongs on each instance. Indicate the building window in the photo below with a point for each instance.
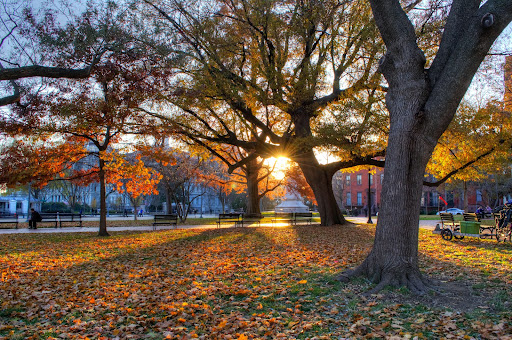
(347, 180)
(435, 199)
(349, 199)
(371, 179)
(359, 198)
(478, 196)
(359, 179)
(381, 178)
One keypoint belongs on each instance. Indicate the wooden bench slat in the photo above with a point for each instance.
(67, 217)
(471, 217)
(48, 218)
(303, 217)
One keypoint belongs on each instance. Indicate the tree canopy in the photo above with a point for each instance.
(274, 68)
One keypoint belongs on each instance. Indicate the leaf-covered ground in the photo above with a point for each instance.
(252, 283)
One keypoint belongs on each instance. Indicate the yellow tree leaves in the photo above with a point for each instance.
(472, 134)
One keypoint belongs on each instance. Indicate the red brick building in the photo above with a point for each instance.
(351, 189)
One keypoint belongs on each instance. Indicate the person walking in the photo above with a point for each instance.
(34, 218)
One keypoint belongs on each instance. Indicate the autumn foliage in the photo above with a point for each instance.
(256, 283)
(133, 177)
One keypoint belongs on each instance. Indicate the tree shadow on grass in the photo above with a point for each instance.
(190, 280)
(165, 276)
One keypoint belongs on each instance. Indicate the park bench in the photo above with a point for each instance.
(165, 219)
(228, 218)
(9, 219)
(49, 218)
(302, 217)
(282, 217)
(250, 219)
(292, 218)
(69, 218)
(471, 217)
(58, 219)
(447, 221)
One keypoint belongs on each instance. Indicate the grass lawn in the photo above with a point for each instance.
(243, 283)
(432, 217)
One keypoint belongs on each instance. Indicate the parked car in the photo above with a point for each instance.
(453, 211)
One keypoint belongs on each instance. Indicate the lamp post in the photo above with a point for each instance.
(369, 199)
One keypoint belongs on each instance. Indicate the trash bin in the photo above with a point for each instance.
(469, 227)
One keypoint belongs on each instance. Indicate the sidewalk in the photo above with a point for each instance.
(424, 224)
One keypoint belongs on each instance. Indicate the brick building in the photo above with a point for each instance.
(351, 189)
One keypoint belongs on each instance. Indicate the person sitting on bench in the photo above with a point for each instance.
(34, 218)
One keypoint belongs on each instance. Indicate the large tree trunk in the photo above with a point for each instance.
(318, 177)
(253, 195)
(394, 257)
(320, 181)
(103, 202)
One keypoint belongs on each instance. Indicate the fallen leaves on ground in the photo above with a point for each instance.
(252, 283)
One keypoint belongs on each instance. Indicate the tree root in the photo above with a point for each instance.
(394, 277)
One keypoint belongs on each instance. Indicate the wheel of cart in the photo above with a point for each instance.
(449, 228)
(446, 234)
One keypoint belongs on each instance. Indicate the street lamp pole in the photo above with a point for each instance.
(369, 199)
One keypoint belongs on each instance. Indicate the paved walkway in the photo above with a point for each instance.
(424, 224)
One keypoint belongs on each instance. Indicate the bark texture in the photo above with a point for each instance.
(43, 71)
(320, 180)
(253, 195)
(394, 257)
